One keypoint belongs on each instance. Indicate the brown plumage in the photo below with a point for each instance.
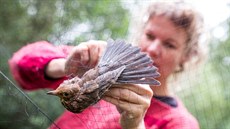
(121, 63)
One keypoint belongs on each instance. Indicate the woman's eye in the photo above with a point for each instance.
(170, 45)
(150, 36)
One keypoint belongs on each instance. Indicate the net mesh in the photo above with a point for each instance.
(204, 91)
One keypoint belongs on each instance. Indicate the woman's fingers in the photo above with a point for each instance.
(128, 107)
(132, 102)
(82, 51)
(73, 62)
(84, 56)
(126, 95)
(90, 52)
(94, 52)
(134, 99)
(140, 89)
(96, 49)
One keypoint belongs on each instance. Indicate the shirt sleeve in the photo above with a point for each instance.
(27, 65)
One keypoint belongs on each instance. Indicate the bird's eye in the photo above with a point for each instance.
(72, 81)
(65, 94)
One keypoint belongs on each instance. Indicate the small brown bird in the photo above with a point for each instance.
(121, 63)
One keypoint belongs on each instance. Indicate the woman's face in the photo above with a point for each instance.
(164, 43)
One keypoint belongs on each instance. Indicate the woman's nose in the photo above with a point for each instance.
(154, 49)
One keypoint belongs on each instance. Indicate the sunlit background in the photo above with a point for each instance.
(206, 92)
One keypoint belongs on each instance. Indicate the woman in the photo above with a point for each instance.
(169, 35)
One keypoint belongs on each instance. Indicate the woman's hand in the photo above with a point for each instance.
(132, 102)
(81, 58)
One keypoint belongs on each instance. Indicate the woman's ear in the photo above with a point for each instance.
(185, 58)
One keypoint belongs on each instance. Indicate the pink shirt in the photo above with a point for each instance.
(28, 64)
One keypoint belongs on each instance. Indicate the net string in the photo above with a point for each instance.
(29, 99)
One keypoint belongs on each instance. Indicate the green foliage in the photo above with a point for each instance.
(26, 21)
(203, 98)
(31, 20)
(221, 67)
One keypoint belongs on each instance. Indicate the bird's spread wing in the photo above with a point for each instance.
(139, 67)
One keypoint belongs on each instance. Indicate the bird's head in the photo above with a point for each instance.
(67, 89)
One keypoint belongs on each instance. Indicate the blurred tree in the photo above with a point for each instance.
(207, 94)
(221, 66)
(58, 21)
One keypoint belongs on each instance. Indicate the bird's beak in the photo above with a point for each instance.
(53, 92)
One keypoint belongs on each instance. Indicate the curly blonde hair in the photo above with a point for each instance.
(181, 15)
